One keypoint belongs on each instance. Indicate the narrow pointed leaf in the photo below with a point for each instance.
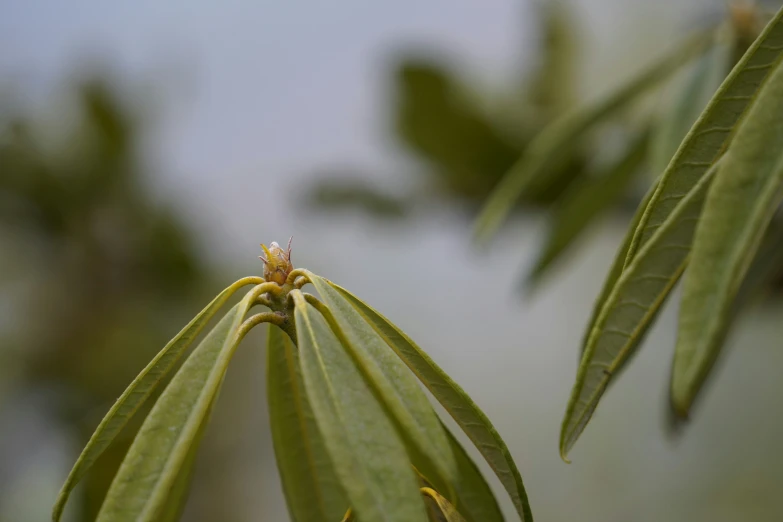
(553, 88)
(160, 450)
(395, 385)
(766, 269)
(312, 490)
(555, 143)
(138, 391)
(764, 273)
(474, 497)
(617, 267)
(446, 512)
(702, 81)
(366, 451)
(177, 498)
(630, 309)
(454, 399)
(710, 135)
(585, 201)
(747, 191)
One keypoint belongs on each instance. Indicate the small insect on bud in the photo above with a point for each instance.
(277, 263)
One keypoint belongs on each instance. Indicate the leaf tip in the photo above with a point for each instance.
(680, 408)
(481, 234)
(564, 454)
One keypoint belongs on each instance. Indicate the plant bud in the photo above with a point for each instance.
(277, 263)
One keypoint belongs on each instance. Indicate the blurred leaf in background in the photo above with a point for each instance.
(541, 139)
(96, 269)
(463, 146)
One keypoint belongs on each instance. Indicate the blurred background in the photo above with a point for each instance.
(147, 148)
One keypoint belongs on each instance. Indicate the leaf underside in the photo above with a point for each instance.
(368, 456)
(468, 416)
(710, 135)
(630, 309)
(552, 146)
(164, 446)
(739, 206)
(138, 391)
(395, 386)
(306, 471)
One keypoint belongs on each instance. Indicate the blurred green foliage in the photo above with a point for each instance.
(98, 272)
(465, 147)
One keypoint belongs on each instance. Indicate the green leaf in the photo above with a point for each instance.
(395, 386)
(366, 451)
(311, 487)
(629, 310)
(475, 499)
(747, 191)
(454, 399)
(552, 146)
(677, 119)
(554, 84)
(437, 118)
(710, 135)
(138, 391)
(617, 267)
(159, 452)
(178, 496)
(444, 510)
(762, 278)
(584, 202)
(766, 269)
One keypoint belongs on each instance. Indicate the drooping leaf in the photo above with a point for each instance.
(395, 386)
(759, 282)
(352, 191)
(454, 399)
(444, 511)
(160, 451)
(710, 135)
(138, 391)
(553, 86)
(312, 490)
(677, 119)
(554, 144)
(742, 200)
(765, 271)
(617, 267)
(364, 446)
(438, 120)
(584, 202)
(475, 499)
(177, 498)
(630, 309)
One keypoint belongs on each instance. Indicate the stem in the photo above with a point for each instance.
(264, 301)
(295, 274)
(266, 287)
(254, 320)
(313, 300)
